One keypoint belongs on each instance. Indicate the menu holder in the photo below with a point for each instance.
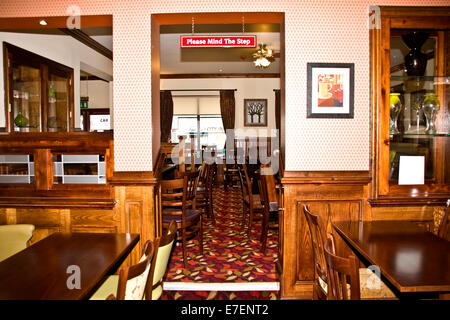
(411, 170)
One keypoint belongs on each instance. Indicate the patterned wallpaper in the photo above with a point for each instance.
(316, 31)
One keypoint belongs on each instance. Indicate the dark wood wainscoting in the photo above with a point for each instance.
(334, 196)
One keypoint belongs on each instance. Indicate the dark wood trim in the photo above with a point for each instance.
(54, 22)
(87, 40)
(407, 202)
(326, 177)
(219, 17)
(219, 75)
(60, 203)
(132, 178)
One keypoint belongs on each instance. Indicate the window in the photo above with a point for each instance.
(200, 116)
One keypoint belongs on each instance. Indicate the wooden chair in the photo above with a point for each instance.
(321, 270)
(163, 248)
(320, 267)
(14, 238)
(178, 204)
(204, 198)
(131, 282)
(343, 274)
(270, 209)
(251, 202)
(444, 225)
(231, 170)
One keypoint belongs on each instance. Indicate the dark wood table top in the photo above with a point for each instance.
(410, 258)
(41, 270)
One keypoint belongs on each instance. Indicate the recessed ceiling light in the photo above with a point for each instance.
(43, 23)
(220, 70)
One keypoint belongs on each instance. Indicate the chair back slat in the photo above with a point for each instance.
(343, 274)
(317, 241)
(133, 279)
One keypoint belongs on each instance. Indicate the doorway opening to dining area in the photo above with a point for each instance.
(220, 114)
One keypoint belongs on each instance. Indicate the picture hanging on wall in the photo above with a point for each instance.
(255, 112)
(330, 90)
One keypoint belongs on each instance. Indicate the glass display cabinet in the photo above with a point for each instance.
(410, 64)
(40, 91)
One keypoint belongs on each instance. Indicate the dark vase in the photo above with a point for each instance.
(415, 60)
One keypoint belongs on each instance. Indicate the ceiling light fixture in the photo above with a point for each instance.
(263, 57)
(43, 23)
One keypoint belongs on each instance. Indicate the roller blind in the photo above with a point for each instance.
(196, 105)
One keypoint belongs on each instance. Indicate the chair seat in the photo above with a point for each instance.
(108, 287)
(383, 292)
(191, 216)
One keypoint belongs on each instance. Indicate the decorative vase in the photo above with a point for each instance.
(415, 60)
(395, 108)
(20, 120)
(430, 107)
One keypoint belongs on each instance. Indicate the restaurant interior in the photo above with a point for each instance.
(159, 152)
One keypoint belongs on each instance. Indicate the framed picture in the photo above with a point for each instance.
(330, 90)
(255, 112)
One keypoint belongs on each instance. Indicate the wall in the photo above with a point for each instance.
(98, 92)
(325, 31)
(62, 49)
(246, 89)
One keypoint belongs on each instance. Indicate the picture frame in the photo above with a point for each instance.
(255, 112)
(330, 90)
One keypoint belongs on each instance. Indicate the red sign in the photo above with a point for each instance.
(193, 41)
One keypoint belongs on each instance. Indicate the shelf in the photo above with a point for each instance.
(435, 79)
(420, 135)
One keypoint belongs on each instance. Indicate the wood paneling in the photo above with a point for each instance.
(334, 196)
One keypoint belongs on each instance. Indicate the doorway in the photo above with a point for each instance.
(183, 88)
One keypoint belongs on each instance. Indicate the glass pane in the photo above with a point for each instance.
(212, 132)
(183, 125)
(418, 119)
(58, 104)
(26, 98)
(16, 169)
(79, 169)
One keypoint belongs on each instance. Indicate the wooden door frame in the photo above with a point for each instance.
(157, 20)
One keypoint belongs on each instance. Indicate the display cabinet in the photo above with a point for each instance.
(410, 88)
(39, 93)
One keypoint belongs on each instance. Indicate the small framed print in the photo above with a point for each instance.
(330, 90)
(255, 112)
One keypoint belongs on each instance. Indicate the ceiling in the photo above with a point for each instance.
(175, 60)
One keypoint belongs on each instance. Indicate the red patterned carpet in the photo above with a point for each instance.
(229, 257)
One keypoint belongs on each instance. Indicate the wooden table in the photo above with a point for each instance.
(41, 270)
(411, 259)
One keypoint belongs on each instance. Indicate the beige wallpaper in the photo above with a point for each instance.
(316, 31)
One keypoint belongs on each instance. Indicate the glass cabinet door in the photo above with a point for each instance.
(58, 103)
(40, 92)
(419, 94)
(26, 104)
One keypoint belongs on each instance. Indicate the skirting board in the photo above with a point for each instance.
(217, 286)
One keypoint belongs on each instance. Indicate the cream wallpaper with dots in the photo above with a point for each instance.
(316, 31)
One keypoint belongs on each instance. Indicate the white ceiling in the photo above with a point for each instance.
(172, 57)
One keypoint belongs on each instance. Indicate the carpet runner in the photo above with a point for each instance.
(232, 265)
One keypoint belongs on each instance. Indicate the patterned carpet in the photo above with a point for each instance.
(229, 255)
